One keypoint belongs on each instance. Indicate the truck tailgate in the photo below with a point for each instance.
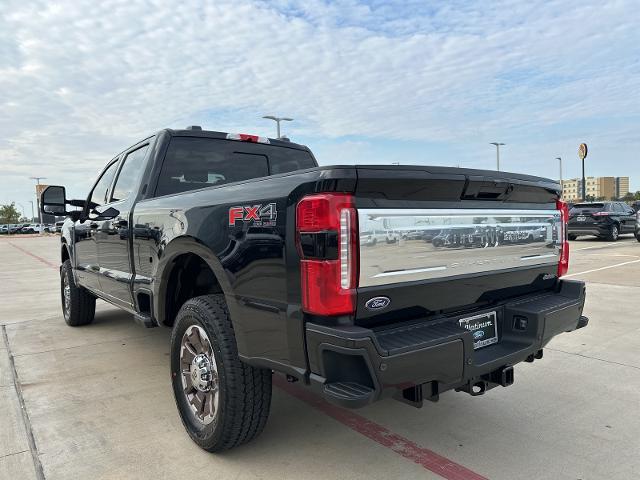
(436, 239)
(438, 243)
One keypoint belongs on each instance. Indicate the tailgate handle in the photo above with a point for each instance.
(487, 190)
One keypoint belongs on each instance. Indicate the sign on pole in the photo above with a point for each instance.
(39, 189)
(582, 151)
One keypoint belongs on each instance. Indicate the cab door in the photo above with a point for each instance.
(113, 235)
(85, 247)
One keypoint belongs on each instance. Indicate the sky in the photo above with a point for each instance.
(414, 82)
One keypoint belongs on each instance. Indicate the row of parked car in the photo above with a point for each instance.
(18, 228)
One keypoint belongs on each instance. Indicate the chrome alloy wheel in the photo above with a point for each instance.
(66, 295)
(199, 374)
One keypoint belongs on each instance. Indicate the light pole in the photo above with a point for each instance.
(278, 120)
(32, 214)
(22, 208)
(37, 179)
(497, 144)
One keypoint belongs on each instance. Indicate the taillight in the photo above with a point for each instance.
(326, 230)
(563, 263)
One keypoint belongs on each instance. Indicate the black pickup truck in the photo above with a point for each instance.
(251, 253)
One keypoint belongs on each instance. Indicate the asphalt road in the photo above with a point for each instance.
(95, 402)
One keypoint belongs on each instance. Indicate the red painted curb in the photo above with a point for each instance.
(428, 459)
(33, 255)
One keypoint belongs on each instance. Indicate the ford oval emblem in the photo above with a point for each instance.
(478, 334)
(377, 303)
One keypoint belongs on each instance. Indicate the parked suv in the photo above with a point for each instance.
(604, 219)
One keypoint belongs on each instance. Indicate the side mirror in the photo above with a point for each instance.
(53, 200)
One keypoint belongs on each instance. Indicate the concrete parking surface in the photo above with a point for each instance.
(95, 402)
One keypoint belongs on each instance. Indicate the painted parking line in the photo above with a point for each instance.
(404, 447)
(603, 268)
(592, 246)
(33, 255)
(602, 245)
(610, 255)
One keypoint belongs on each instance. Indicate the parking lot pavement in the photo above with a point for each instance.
(98, 402)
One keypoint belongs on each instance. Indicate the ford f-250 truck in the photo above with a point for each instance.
(250, 252)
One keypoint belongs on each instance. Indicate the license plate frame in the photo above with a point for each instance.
(475, 324)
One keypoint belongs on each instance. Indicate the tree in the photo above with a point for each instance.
(9, 213)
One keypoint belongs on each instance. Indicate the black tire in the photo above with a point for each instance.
(614, 233)
(244, 392)
(571, 236)
(638, 236)
(80, 306)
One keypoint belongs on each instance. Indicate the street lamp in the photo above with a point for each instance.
(278, 120)
(37, 179)
(497, 144)
(32, 214)
(560, 160)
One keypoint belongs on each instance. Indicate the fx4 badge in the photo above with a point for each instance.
(260, 215)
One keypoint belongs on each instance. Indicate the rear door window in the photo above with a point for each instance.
(197, 162)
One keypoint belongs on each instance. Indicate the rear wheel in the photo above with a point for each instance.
(638, 236)
(614, 233)
(78, 305)
(571, 236)
(222, 401)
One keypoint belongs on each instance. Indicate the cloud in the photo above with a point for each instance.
(80, 80)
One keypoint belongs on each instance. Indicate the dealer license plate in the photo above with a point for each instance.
(483, 328)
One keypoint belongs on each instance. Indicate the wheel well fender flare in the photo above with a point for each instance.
(175, 248)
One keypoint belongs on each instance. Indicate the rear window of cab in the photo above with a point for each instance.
(197, 162)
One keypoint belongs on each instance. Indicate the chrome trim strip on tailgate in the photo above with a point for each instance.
(402, 245)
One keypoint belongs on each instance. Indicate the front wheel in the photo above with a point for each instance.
(614, 233)
(572, 236)
(222, 401)
(78, 305)
(638, 236)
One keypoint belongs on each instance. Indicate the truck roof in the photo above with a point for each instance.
(199, 132)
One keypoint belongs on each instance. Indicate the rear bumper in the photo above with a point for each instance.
(354, 366)
(592, 229)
